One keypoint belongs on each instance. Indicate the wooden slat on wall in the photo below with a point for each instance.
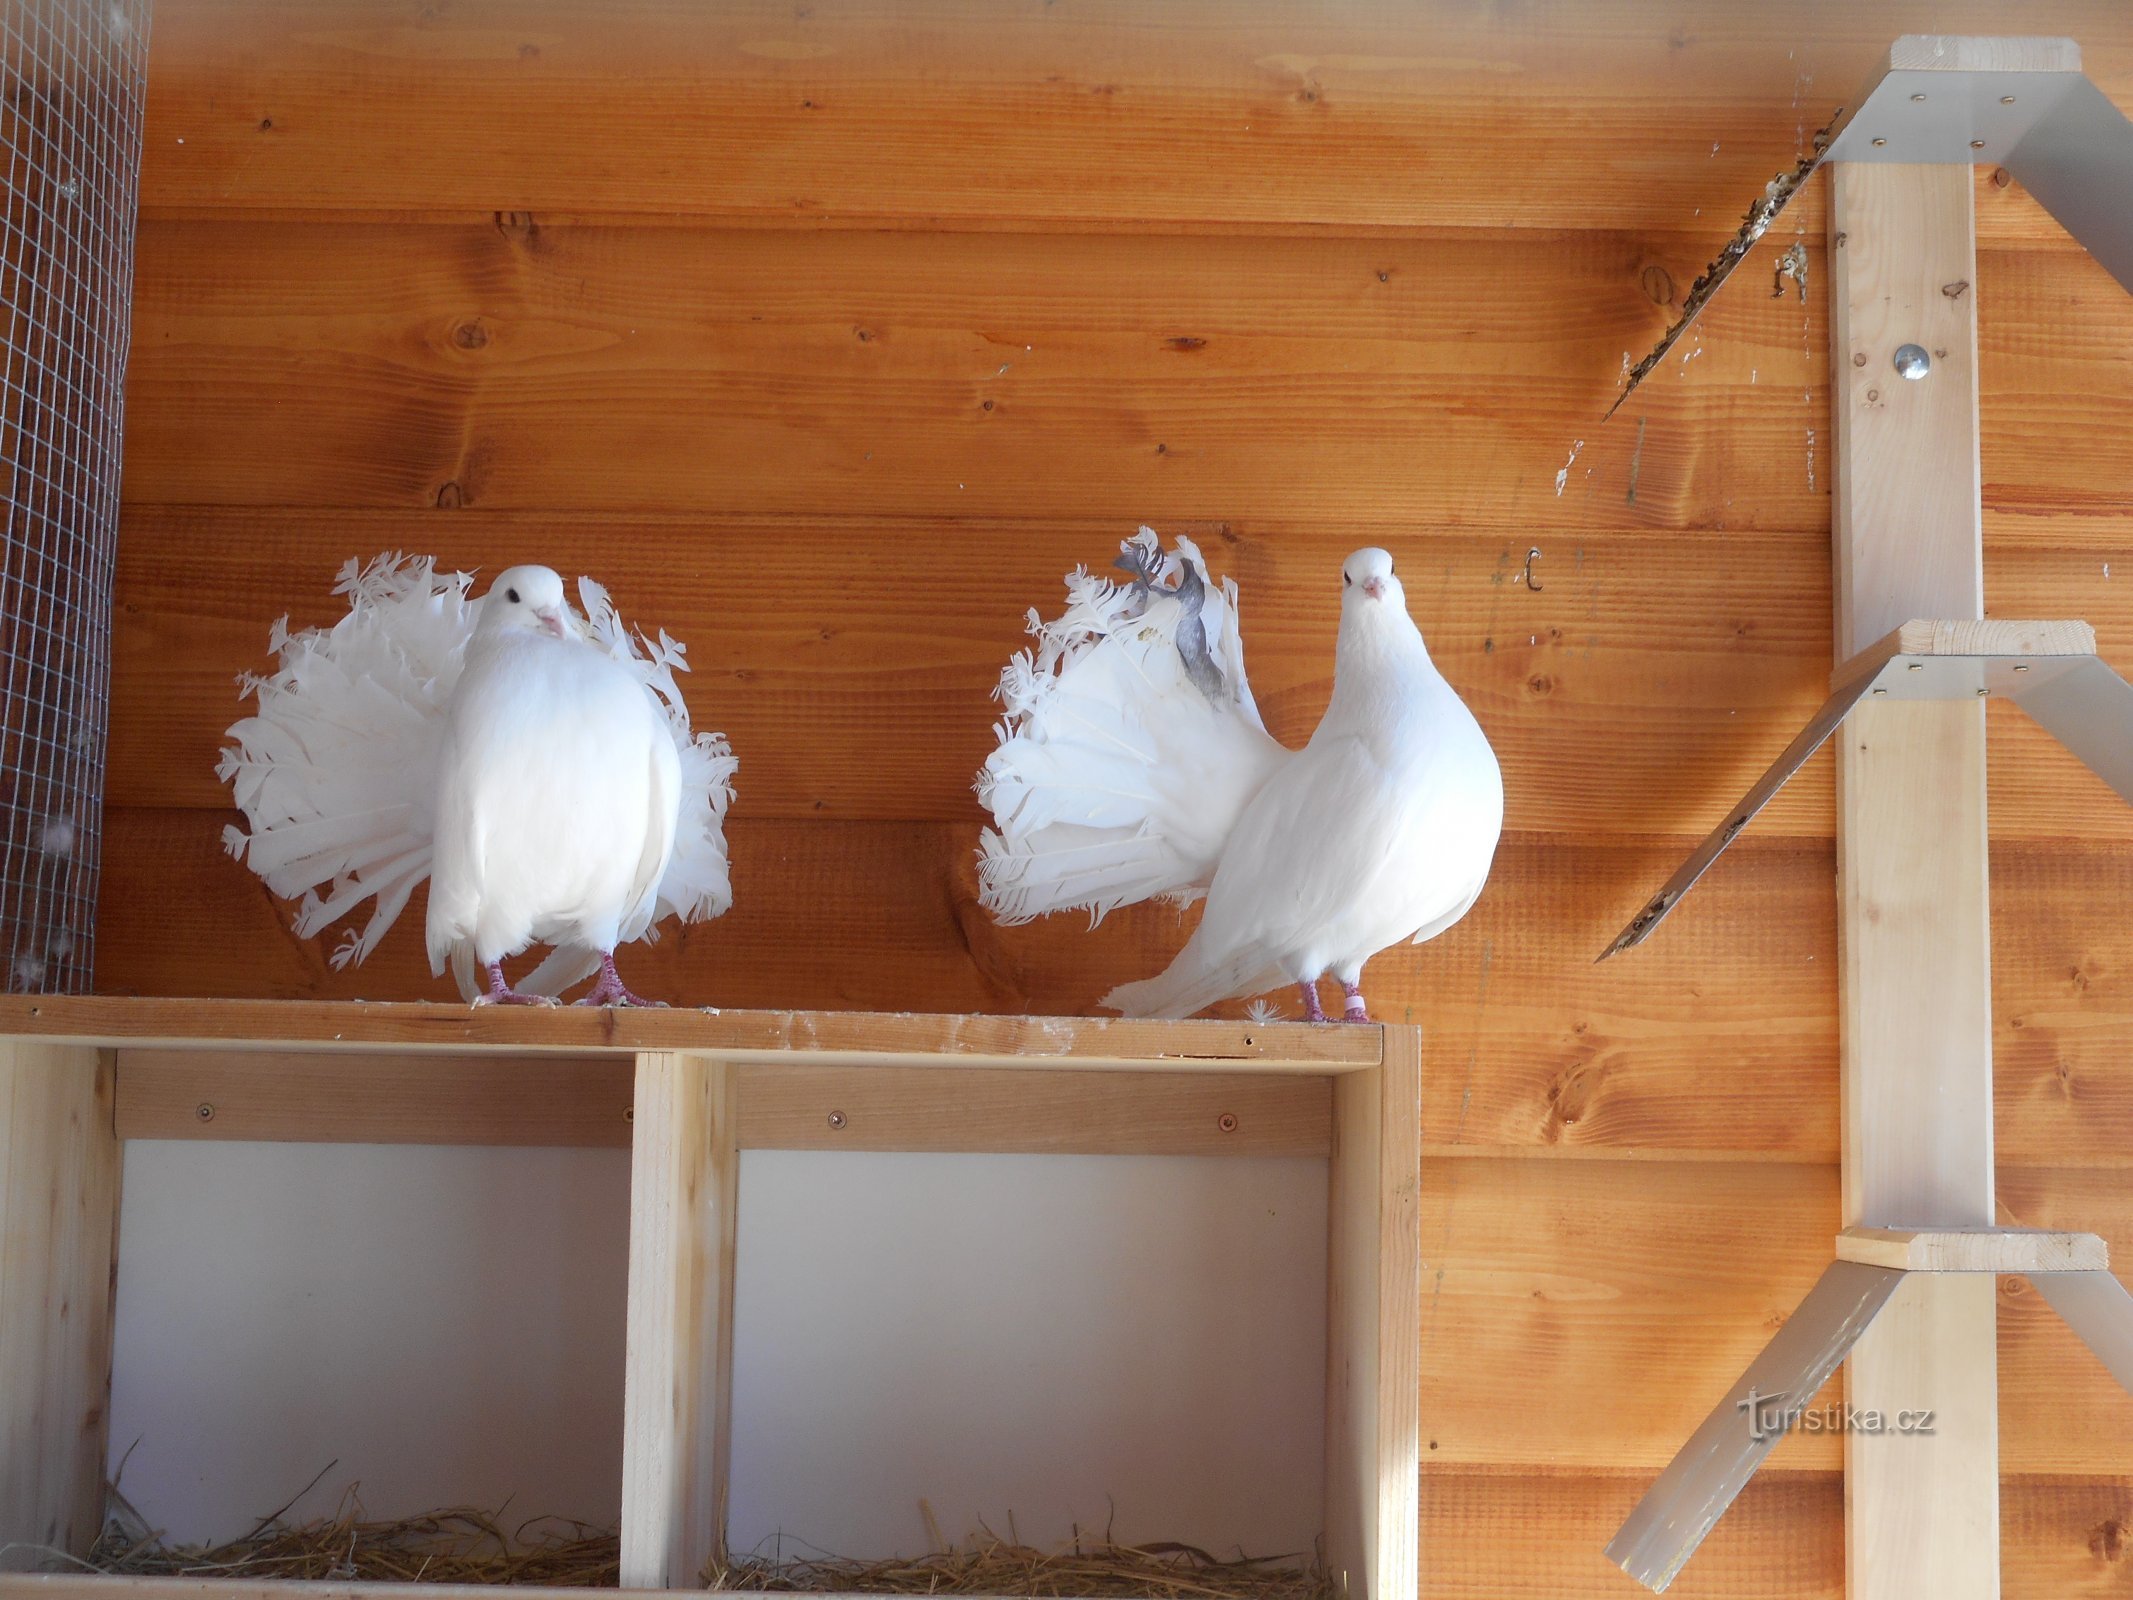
(1357, 114)
(510, 366)
(855, 686)
(1721, 1036)
(1514, 1536)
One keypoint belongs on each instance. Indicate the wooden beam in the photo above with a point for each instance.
(1973, 1249)
(1083, 1043)
(1038, 1113)
(361, 1097)
(1914, 1002)
(313, 1096)
(1373, 1322)
(678, 1365)
(59, 1182)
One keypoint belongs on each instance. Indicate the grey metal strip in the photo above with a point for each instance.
(2089, 709)
(1834, 710)
(2096, 1306)
(1709, 1472)
(2079, 163)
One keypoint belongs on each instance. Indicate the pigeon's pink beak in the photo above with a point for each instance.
(1374, 586)
(551, 621)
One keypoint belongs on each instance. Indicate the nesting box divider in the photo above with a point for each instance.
(689, 1091)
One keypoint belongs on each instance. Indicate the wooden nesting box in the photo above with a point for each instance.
(78, 1076)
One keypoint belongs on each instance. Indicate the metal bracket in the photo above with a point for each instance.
(2050, 669)
(1708, 1473)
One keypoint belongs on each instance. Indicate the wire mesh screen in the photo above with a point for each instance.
(72, 78)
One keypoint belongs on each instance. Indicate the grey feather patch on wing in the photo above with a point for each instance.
(1192, 639)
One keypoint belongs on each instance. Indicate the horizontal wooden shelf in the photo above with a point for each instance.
(826, 1037)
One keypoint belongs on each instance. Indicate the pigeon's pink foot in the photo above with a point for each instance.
(1312, 1013)
(502, 994)
(1354, 1010)
(609, 991)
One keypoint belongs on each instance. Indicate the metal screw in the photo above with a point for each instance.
(1918, 666)
(2021, 666)
(1918, 97)
(1227, 1122)
(1881, 691)
(1977, 144)
(836, 1119)
(204, 1111)
(1913, 362)
(2006, 99)
(1880, 144)
(1984, 691)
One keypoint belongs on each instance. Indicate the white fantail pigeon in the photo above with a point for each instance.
(536, 766)
(1133, 764)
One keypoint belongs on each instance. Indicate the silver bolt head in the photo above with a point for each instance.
(1912, 362)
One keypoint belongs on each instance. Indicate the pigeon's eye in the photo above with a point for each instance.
(511, 595)
(1346, 580)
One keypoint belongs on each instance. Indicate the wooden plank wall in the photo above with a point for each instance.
(830, 333)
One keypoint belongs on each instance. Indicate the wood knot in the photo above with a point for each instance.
(1540, 685)
(2107, 1540)
(450, 497)
(518, 226)
(470, 335)
(1185, 343)
(1658, 284)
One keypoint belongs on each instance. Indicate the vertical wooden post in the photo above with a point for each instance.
(1922, 1513)
(59, 1183)
(1374, 1326)
(678, 1383)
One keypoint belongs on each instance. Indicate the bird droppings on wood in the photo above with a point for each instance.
(1562, 476)
(1792, 264)
(1762, 211)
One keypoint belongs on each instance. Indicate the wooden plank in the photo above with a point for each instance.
(1372, 1302)
(362, 1097)
(793, 1107)
(1086, 1043)
(1914, 1003)
(971, 117)
(1995, 636)
(1538, 1050)
(59, 1186)
(863, 374)
(1973, 1249)
(678, 1384)
(1603, 729)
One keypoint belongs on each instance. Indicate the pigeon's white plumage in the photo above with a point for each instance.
(537, 766)
(1133, 763)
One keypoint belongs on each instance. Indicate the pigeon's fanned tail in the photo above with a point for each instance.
(1130, 744)
(336, 770)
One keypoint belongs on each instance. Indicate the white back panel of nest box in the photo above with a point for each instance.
(1131, 1343)
(1043, 1336)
